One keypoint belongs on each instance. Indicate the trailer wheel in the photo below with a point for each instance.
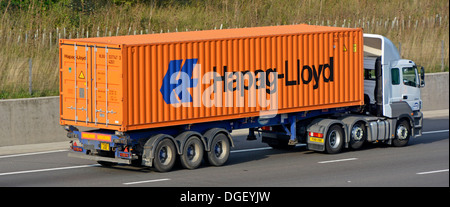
(402, 134)
(165, 155)
(358, 135)
(334, 139)
(192, 154)
(220, 150)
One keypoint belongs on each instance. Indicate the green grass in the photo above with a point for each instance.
(24, 93)
(36, 20)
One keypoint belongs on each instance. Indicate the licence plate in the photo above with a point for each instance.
(316, 139)
(104, 146)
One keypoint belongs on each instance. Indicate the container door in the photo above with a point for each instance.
(75, 84)
(107, 86)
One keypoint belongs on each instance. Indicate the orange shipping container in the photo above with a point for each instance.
(146, 81)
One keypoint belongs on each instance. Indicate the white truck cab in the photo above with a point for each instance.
(399, 81)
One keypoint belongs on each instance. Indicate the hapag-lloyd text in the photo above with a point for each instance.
(231, 86)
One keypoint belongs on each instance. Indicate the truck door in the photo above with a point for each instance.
(405, 86)
(411, 90)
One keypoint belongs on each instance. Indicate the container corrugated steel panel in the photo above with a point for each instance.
(147, 81)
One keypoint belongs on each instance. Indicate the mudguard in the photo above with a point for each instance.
(149, 148)
(181, 139)
(210, 134)
(321, 126)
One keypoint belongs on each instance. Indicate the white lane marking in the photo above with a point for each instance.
(32, 153)
(341, 160)
(430, 172)
(258, 149)
(249, 150)
(438, 131)
(48, 169)
(147, 181)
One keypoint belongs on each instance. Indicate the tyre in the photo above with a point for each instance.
(358, 135)
(334, 139)
(402, 134)
(220, 150)
(192, 154)
(165, 155)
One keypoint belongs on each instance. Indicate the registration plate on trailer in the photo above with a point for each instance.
(104, 146)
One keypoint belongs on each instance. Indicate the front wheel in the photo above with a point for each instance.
(402, 134)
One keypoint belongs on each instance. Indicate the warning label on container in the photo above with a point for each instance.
(81, 76)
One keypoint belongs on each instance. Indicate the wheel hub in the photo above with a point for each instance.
(163, 154)
(218, 149)
(334, 139)
(357, 133)
(402, 132)
(191, 152)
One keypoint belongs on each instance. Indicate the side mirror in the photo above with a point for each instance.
(422, 77)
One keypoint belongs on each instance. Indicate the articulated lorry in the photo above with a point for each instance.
(152, 99)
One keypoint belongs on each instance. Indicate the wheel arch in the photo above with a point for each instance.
(348, 123)
(211, 133)
(181, 139)
(148, 153)
(322, 125)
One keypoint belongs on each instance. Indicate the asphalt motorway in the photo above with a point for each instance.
(424, 162)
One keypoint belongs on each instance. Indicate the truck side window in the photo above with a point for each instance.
(369, 74)
(395, 73)
(409, 76)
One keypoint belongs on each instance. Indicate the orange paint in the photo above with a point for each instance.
(124, 77)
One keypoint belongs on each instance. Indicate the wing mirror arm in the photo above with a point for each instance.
(422, 77)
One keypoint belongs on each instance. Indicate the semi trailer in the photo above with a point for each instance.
(151, 99)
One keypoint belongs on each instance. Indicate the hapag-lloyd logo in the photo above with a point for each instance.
(176, 82)
(231, 86)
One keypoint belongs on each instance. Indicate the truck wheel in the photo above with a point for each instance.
(165, 154)
(334, 139)
(192, 153)
(220, 150)
(402, 134)
(358, 135)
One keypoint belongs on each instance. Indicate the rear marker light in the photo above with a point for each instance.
(315, 134)
(124, 154)
(77, 149)
(266, 128)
